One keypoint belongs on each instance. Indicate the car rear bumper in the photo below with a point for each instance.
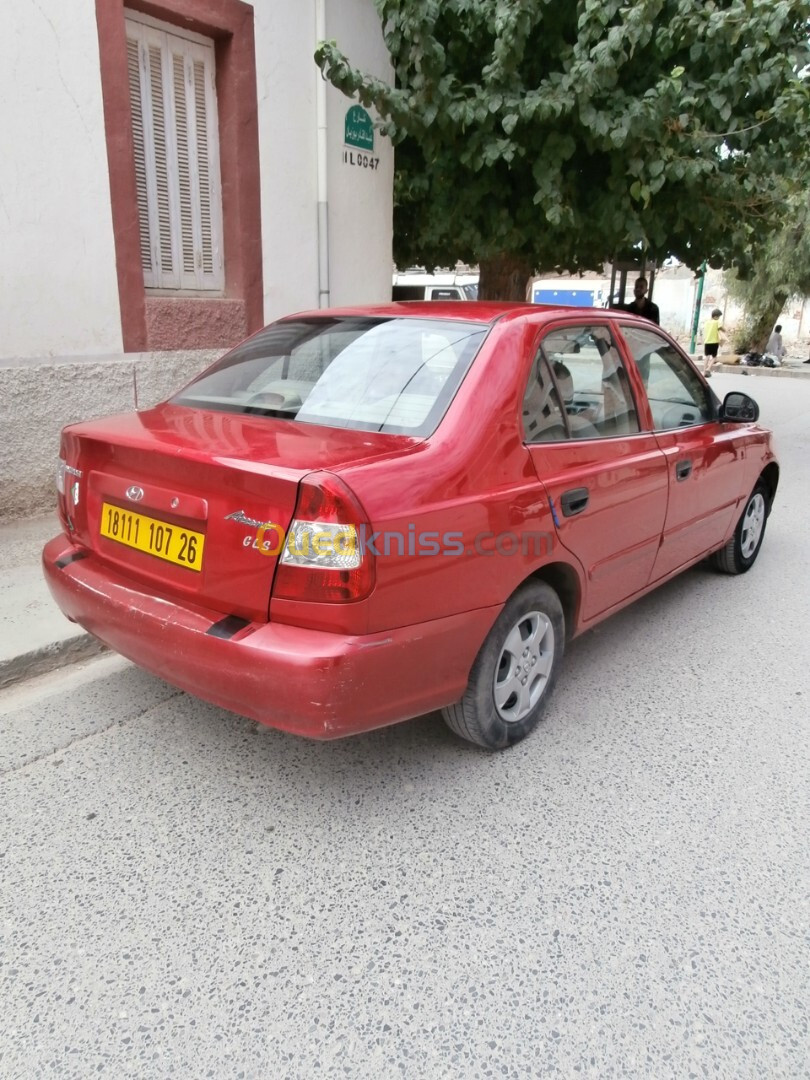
(304, 681)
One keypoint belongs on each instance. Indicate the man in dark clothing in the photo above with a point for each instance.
(641, 305)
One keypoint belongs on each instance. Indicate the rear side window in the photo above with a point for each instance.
(543, 414)
(591, 388)
(374, 374)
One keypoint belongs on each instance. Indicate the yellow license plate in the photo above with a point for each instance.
(180, 546)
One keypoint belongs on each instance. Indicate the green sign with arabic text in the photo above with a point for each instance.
(359, 129)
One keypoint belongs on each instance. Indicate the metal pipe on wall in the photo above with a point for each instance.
(323, 171)
(698, 305)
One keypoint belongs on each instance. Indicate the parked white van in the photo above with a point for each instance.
(415, 285)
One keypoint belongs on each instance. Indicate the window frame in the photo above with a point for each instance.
(172, 41)
(622, 351)
(540, 360)
(656, 332)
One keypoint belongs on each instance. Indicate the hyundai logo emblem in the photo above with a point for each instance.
(135, 493)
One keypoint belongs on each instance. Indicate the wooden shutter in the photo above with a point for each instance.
(134, 63)
(203, 79)
(174, 120)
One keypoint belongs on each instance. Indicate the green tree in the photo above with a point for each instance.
(538, 135)
(775, 269)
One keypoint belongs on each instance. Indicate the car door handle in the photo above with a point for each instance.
(683, 469)
(573, 502)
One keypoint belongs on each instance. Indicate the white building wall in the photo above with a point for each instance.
(676, 300)
(58, 284)
(59, 288)
(675, 296)
(285, 76)
(360, 199)
(61, 348)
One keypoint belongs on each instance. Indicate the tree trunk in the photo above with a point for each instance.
(764, 318)
(504, 277)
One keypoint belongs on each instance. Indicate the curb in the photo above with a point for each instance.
(770, 373)
(743, 369)
(49, 658)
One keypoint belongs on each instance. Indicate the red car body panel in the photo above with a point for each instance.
(327, 669)
(309, 682)
(212, 463)
(702, 509)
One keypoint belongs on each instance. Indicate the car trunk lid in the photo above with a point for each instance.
(196, 503)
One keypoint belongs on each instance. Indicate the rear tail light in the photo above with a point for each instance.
(68, 486)
(323, 559)
(62, 484)
(61, 465)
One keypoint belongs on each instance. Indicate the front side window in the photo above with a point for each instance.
(676, 394)
(591, 381)
(394, 375)
(175, 137)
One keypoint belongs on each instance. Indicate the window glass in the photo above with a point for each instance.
(675, 391)
(445, 294)
(393, 375)
(408, 292)
(592, 381)
(543, 416)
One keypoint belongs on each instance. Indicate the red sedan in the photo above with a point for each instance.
(358, 516)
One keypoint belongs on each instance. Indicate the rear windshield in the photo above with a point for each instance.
(395, 375)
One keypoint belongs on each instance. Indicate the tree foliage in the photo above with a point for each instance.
(776, 268)
(557, 134)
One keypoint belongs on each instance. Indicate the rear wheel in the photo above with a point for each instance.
(514, 672)
(741, 551)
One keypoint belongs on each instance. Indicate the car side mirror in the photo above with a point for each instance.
(738, 408)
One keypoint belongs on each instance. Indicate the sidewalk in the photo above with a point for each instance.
(35, 637)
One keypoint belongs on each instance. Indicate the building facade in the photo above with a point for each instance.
(175, 174)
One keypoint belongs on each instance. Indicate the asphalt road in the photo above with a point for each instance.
(626, 894)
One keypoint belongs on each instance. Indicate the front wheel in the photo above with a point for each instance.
(514, 672)
(741, 551)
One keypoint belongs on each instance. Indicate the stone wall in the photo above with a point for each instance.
(38, 398)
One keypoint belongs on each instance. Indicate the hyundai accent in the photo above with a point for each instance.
(359, 516)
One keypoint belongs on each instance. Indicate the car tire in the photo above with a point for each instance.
(740, 553)
(514, 673)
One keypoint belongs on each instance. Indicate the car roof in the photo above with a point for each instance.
(479, 311)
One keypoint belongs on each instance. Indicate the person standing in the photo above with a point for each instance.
(712, 336)
(641, 305)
